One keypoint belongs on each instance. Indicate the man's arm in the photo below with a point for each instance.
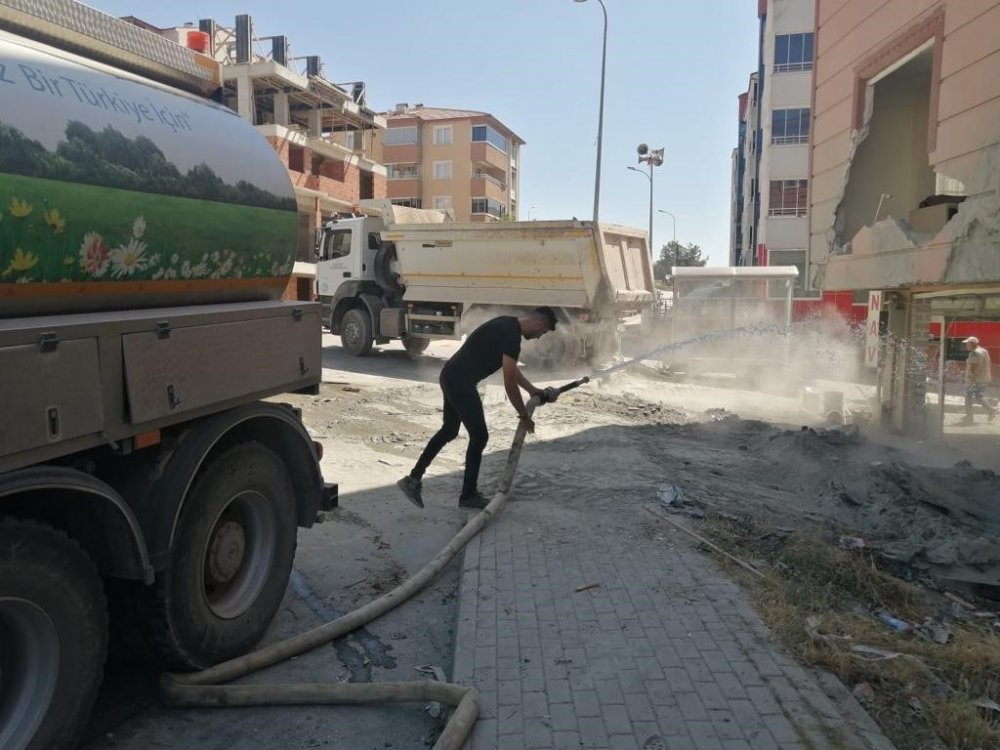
(512, 378)
(526, 384)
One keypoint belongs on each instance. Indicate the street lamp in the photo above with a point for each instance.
(600, 112)
(674, 221)
(653, 158)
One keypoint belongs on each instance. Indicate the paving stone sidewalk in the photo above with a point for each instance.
(663, 653)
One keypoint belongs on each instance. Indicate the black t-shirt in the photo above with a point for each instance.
(482, 353)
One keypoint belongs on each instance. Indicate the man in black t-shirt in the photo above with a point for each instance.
(494, 345)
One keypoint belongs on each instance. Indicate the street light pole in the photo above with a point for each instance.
(649, 176)
(674, 221)
(654, 158)
(600, 112)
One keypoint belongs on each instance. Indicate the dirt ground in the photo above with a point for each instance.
(715, 449)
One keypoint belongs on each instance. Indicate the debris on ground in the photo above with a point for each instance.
(899, 626)
(940, 524)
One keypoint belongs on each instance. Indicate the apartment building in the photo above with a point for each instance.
(451, 159)
(770, 193)
(774, 126)
(905, 198)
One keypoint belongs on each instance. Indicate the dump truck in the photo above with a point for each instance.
(146, 481)
(396, 272)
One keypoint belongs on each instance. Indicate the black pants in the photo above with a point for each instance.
(462, 405)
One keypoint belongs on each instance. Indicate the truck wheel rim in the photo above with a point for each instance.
(351, 333)
(239, 554)
(29, 670)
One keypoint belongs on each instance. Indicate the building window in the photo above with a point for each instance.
(484, 133)
(488, 206)
(442, 170)
(793, 52)
(408, 202)
(442, 202)
(350, 139)
(788, 198)
(401, 136)
(403, 171)
(443, 135)
(789, 126)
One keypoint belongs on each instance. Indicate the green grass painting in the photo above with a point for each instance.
(52, 231)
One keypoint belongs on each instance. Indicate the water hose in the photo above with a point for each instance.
(207, 689)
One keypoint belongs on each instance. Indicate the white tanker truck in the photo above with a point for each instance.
(146, 236)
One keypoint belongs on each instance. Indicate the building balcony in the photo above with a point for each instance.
(489, 187)
(484, 153)
(407, 153)
(404, 188)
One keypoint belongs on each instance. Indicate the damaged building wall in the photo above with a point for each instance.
(850, 153)
(890, 173)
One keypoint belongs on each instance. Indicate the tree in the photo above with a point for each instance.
(676, 254)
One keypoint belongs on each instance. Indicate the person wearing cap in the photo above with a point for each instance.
(977, 373)
(494, 345)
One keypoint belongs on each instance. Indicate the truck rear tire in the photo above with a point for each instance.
(356, 332)
(548, 353)
(230, 562)
(53, 637)
(415, 346)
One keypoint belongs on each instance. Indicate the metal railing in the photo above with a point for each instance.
(793, 67)
(793, 211)
(789, 140)
(489, 178)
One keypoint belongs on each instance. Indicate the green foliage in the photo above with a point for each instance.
(676, 254)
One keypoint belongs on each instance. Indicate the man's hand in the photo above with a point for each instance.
(550, 395)
(529, 424)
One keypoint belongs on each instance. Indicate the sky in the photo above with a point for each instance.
(674, 71)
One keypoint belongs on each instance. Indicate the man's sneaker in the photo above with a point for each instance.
(411, 488)
(479, 500)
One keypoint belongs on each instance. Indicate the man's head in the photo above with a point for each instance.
(971, 343)
(541, 320)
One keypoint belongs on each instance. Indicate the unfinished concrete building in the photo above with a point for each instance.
(905, 167)
(324, 132)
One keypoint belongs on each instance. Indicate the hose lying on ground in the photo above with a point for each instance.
(205, 688)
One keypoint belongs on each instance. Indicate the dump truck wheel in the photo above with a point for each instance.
(230, 562)
(53, 637)
(548, 353)
(415, 346)
(356, 332)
